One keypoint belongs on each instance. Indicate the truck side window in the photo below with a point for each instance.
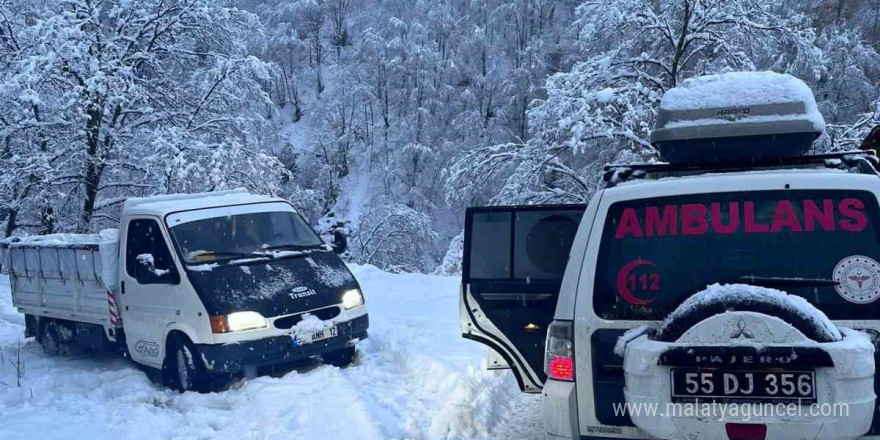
(147, 258)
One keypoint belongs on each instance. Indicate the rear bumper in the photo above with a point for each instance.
(848, 385)
(560, 410)
(234, 357)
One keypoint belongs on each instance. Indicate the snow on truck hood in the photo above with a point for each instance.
(272, 286)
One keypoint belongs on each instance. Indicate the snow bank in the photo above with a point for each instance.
(11, 326)
(416, 379)
(452, 261)
(742, 89)
(718, 293)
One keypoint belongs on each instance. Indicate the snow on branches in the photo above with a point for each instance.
(603, 109)
(394, 237)
(130, 98)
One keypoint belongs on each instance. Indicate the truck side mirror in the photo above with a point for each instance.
(147, 273)
(144, 272)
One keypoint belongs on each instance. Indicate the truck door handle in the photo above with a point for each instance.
(122, 287)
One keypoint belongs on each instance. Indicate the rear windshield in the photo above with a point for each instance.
(821, 245)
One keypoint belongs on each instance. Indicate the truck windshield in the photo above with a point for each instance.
(242, 235)
(821, 245)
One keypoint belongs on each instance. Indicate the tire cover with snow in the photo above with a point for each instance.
(744, 299)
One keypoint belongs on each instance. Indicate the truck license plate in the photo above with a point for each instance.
(308, 338)
(791, 386)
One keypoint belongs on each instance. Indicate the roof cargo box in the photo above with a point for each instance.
(737, 117)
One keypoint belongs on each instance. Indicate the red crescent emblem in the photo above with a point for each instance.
(622, 288)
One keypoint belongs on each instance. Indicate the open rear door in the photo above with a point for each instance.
(514, 258)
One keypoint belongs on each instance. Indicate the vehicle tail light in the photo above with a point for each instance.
(559, 355)
(746, 431)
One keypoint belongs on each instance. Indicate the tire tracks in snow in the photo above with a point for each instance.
(417, 379)
(425, 397)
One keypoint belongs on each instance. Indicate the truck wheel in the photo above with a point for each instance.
(340, 358)
(185, 370)
(50, 339)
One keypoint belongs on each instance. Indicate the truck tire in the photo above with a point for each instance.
(185, 370)
(340, 358)
(51, 341)
(673, 329)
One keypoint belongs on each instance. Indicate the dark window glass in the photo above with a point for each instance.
(233, 236)
(490, 245)
(147, 258)
(657, 252)
(543, 240)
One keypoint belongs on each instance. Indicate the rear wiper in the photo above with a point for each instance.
(786, 281)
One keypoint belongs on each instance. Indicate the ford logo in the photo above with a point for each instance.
(300, 289)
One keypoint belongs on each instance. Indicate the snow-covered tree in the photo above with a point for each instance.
(394, 237)
(848, 137)
(603, 108)
(123, 98)
(355, 109)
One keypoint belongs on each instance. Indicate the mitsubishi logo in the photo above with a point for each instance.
(741, 331)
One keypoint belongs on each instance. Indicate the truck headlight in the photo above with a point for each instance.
(238, 321)
(352, 298)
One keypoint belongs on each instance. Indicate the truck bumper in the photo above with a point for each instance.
(234, 357)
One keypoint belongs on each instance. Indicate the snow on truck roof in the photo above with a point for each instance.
(165, 204)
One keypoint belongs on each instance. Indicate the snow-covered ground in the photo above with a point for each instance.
(417, 379)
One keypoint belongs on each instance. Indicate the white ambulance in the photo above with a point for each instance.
(739, 272)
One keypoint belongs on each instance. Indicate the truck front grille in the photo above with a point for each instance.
(286, 322)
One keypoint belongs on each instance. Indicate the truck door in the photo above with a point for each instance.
(149, 282)
(513, 262)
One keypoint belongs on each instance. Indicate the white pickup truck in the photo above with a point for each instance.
(198, 286)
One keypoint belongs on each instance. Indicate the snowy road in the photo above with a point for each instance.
(417, 379)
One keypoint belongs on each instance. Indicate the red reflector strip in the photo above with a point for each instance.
(111, 304)
(746, 431)
(562, 368)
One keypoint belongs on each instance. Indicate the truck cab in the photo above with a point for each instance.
(739, 272)
(200, 286)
